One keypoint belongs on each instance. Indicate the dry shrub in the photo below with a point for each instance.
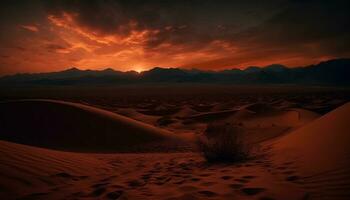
(223, 142)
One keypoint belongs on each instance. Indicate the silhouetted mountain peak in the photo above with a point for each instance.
(108, 70)
(163, 71)
(252, 69)
(72, 69)
(332, 72)
(160, 69)
(275, 68)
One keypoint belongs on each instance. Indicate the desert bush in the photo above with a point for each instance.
(223, 142)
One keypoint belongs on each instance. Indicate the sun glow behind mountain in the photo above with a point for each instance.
(44, 36)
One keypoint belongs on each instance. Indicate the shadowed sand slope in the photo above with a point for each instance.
(76, 127)
(320, 153)
(28, 170)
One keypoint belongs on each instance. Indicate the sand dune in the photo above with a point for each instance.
(259, 126)
(132, 113)
(260, 108)
(185, 111)
(211, 116)
(302, 155)
(160, 110)
(319, 153)
(76, 127)
(225, 106)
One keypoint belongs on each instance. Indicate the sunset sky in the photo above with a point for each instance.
(42, 36)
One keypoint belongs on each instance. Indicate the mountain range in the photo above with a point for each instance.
(330, 73)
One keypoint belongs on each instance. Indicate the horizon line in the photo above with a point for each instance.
(164, 67)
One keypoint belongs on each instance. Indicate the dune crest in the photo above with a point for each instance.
(76, 127)
(320, 153)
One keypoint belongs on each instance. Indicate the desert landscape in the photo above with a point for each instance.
(174, 100)
(122, 143)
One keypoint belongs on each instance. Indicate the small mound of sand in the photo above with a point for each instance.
(76, 127)
(225, 106)
(260, 108)
(160, 110)
(185, 111)
(211, 116)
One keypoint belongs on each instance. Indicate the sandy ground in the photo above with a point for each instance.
(293, 166)
(32, 173)
(301, 152)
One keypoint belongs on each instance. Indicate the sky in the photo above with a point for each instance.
(48, 35)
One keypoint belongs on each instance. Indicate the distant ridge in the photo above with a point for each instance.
(330, 73)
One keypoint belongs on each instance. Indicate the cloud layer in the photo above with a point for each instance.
(136, 35)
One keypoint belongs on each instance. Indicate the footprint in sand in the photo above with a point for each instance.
(205, 175)
(98, 192)
(236, 186)
(183, 197)
(207, 193)
(155, 171)
(282, 168)
(107, 179)
(115, 163)
(97, 185)
(266, 198)
(180, 182)
(115, 195)
(195, 179)
(252, 191)
(226, 177)
(188, 188)
(292, 178)
(186, 176)
(64, 175)
(241, 180)
(136, 183)
(69, 176)
(163, 181)
(208, 183)
(248, 177)
(117, 186)
(185, 168)
(146, 177)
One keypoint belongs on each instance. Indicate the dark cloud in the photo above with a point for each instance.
(268, 23)
(305, 25)
(250, 31)
(190, 21)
